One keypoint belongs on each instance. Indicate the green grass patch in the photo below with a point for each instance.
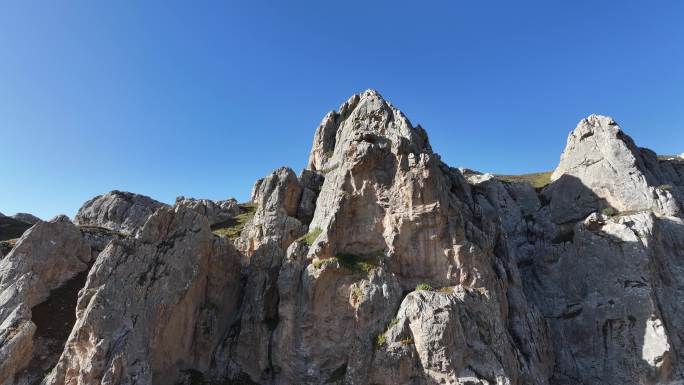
(407, 341)
(310, 237)
(357, 292)
(609, 212)
(536, 179)
(233, 227)
(380, 339)
(354, 263)
(424, 286)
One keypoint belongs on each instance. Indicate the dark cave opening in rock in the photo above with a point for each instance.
(54, 319)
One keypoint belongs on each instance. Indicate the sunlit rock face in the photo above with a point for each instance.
(389, 215)
(118, 211)
(602, 167)
(377, 264)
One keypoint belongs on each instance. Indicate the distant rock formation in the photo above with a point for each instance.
(378, 264)
(11, 228)
(215, 211)
(118, 211)
(26, 217)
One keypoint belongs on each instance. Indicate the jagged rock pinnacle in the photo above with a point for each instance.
(366, 115)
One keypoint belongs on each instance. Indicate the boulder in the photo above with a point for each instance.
(118, 211)
(215, 211)
(277, 199)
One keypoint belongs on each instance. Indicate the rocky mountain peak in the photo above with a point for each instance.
(364, 117)
(602, 168)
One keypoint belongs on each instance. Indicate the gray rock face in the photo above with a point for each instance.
(215, 211)
(46, 257)
(26, 217)
(389, 215)
(157, 305)
(607, 286)
(602, 167)
(118, 211)
(277, 198)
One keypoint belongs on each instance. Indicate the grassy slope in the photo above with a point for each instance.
(537, 179)
(233, 227)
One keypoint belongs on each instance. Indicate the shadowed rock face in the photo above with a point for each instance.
(26, 217)
(378, 264)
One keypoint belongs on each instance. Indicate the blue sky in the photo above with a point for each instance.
(202, 98)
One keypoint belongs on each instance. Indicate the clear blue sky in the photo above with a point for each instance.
(201, 98)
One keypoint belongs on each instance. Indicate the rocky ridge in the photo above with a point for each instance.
(26, 217)
(377, 264)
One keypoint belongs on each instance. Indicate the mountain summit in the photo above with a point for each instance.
(377, 264)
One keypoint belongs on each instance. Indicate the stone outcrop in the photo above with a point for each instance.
(389, 215)
(26, 217)
(157, 305)
(601, 167)
(45, 258)
(117, 210)
(600, 254)
(378, 264)
(215, 211)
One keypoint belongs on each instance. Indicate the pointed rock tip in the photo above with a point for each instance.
(599, 120)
